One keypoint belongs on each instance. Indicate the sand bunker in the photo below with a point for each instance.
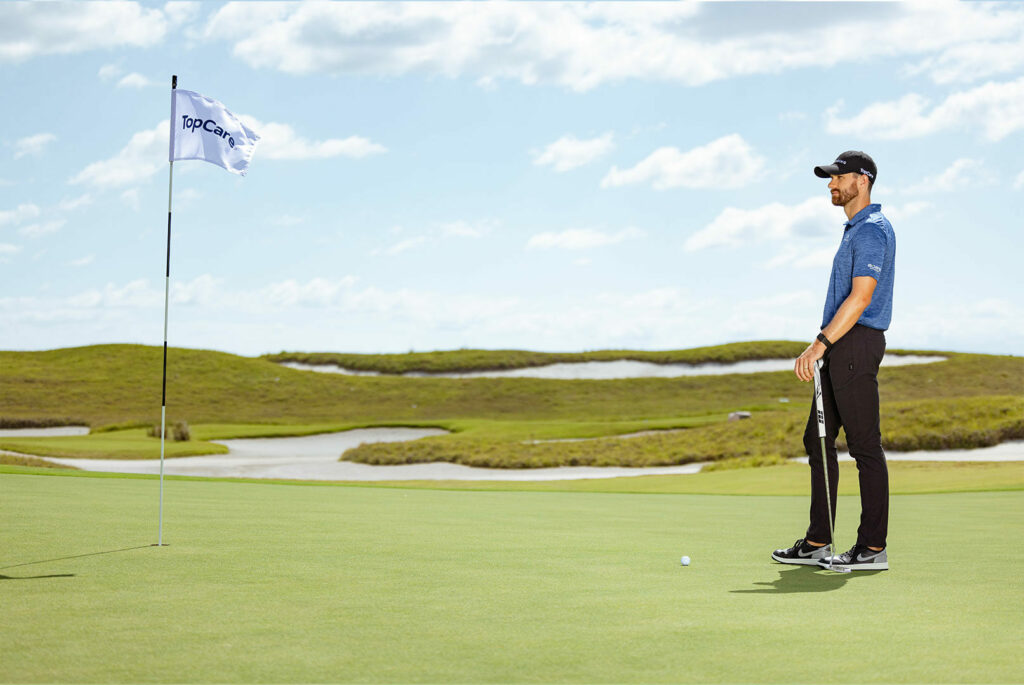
(315, 457)
(623, 368)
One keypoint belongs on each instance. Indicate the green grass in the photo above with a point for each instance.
(7, 459)
(289, 583)
(459, 361)
(115, 384)
(905, 478)
(123, 444)
(134, 443)
(767, 437)
(967, 401)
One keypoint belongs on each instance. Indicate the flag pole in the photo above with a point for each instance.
(167, 291)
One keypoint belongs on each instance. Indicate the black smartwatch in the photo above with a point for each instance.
(825, 342)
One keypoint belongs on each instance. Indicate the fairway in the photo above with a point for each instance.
(292, 583)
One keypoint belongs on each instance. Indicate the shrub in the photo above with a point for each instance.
(179, 432)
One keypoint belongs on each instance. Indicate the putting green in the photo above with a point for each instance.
(286, 583)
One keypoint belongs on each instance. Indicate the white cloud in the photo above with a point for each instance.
(204, 290)
(575, 45)
(134, 80)
(131, 198)
(569, 152)
(339, 313)
(280, 141)
(581, 46)
(143, 156)
(181, 12)
(802, 258)
(404, 245)
(582, 239)
(32, 145)
(465, 229)
(83, 261)
(961, 324)
(31, 29)
(1018, 183)
(135, 294)
(109, 72)
(812, 218)
(41, 229)
(995, 108)
(963, 173)
(441, 231)
(8, 249)
(70, 204)
(315, 292)
(968, 62)
(728, 162)
(146, 153)
(286, 220)
(23, 212)
(898, 213)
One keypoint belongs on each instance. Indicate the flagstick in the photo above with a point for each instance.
(167, 291)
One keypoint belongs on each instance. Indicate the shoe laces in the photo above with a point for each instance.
(854, 551)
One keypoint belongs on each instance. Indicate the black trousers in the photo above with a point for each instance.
(849, 390)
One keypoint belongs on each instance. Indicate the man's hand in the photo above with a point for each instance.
(804, 367)
(847, 316)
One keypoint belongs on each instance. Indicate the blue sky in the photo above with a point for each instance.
(506, 175)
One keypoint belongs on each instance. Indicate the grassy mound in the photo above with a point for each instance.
(766, 438)
(966, 401)
(461, 361)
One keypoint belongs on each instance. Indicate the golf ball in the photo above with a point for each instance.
(685, 561)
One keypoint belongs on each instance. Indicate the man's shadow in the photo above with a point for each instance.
(805, 579)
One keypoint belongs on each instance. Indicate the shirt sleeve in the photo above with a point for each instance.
(869, 251)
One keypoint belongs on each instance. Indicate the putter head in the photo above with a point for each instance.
(836, 569)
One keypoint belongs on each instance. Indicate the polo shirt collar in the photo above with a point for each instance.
(863, 214)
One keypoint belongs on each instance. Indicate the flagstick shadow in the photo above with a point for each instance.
(54, 575)
(76, 556)
(804, 579)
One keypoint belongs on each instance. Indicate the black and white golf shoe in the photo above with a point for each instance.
(859, 558)
(802, 553)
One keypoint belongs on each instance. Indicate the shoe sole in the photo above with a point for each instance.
(797, 562)
(877, 566)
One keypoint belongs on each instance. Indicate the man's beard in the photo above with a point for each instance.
(841, 199)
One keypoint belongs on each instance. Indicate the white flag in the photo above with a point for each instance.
(202, 128)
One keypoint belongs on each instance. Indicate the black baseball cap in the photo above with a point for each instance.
(851, 161)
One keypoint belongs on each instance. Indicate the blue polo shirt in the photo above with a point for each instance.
(868, 249)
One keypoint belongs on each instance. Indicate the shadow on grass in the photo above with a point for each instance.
(76, 556)
(805, 579)
(54, 575)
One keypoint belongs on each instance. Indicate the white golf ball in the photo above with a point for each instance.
(685, 561)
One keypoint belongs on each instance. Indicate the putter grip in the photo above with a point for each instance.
(817, 399)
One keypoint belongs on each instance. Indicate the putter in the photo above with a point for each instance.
(824, 462)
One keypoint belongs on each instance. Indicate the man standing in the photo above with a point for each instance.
(858, 309)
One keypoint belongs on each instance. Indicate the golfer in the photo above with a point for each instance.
(858, 309)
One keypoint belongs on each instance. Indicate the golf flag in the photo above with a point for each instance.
(202, 128)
